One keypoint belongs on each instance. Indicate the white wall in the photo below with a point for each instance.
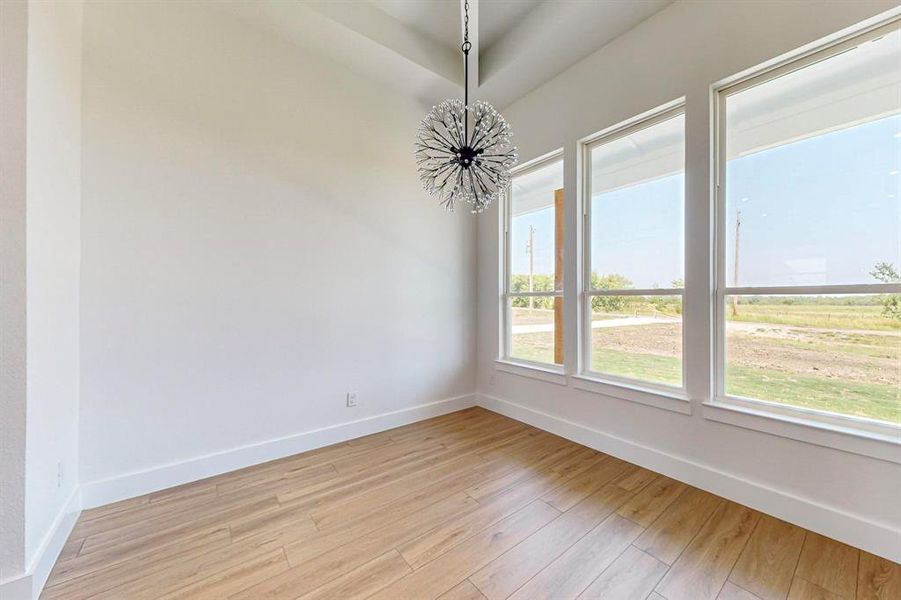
(53, 246)
(13, 71)
(40, 150)
(682, 51)
(254, 244)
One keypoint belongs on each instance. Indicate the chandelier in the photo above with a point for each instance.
(458, 162)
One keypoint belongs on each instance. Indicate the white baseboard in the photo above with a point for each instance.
(877, 538)
(29, 585)
(129, 485)
(45, 557)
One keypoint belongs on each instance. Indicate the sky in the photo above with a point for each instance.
(818, 211)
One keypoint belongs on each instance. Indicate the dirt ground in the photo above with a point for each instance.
(860, 356)
(864, 357)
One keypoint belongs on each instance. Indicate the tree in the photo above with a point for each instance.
(667, 305)
(614, 281)
(891, 303)
(540, 283)
(886, 273)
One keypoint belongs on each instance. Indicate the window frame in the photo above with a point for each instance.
(756, 411)
(639, 390)
(553, 373)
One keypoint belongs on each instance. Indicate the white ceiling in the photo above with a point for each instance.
(414, 44)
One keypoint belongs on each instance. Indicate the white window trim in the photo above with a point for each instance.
(534, 370)
(813, 431)
(672, 399)
(659, 395)
(505, 362)
(854, 434)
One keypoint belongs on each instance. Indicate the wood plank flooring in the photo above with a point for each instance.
(470, 505)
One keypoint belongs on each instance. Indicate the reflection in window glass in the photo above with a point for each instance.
(533, 242)
(637, 199)
(812, 174)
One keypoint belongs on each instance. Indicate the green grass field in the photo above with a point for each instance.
(807, 355)
(647, 367)
(868, 316)
(874, 401)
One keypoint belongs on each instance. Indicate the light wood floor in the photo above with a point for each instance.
(470, 505)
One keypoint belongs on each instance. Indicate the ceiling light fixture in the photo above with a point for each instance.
(459, 163)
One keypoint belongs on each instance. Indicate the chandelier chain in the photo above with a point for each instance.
(466, 47)
(466, 44)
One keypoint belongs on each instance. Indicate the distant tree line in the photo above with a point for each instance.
(672, 305)
(540, 283)
(853, 300)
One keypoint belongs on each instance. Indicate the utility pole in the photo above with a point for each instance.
(530, 248)
(735, 270)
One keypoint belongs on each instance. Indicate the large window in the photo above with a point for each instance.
(533, 294)
(809, 235)
(633, 256)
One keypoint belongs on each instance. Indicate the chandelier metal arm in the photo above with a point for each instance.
(460, 138)
(478, 178)
(488, 130)
(489, 169)
(427, 147)
(450, 143)
(475, 194)
(477, 133)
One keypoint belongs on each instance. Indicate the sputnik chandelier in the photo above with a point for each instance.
(457, 162)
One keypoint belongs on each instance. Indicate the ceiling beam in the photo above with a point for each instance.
(551, 38)
(364, 38)
(368, 21)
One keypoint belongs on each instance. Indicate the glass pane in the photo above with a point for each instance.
(536, 230)
(840, 354)
(812, 172)
(534, 324)
(637, 199)
(639, 337)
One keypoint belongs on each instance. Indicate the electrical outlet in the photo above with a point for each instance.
(59, 475)
(491, 380)
(351, 399)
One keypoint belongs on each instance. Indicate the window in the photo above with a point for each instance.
(633, 257)
(809, 236)
(533, 294)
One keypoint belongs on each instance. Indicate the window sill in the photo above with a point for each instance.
(672, 401)
(533, 370)
(875, 445)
